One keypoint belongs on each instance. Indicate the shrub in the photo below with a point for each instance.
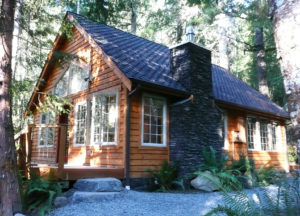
(226, 178)
(285, 202)
(38, 194)
(164, 178)
(292, 154)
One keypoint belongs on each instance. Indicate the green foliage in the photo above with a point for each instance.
(211, 161)
(219, 174)
(164, 178)
(286, 201)
(292, 154)
(39, 193)
(268, 175)
(54, 105)
(243, 165)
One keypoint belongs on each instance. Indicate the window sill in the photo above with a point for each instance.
(261, 151)
(47, 146)
(152, 146)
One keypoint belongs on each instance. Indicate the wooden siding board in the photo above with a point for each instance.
(106, 79)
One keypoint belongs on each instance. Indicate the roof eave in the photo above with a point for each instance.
(252, 109)
(165, 89)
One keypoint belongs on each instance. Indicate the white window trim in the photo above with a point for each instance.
(105, 93)
(164, 144)
(225, 122)
(257, 138)
(75, 123)
(40, 133)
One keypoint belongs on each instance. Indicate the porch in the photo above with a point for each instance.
(53, 159)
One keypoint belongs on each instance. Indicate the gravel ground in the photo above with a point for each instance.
(135, 203)
(143, 203)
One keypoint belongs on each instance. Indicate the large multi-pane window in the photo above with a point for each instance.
(263, 134)
(104, 119)
(72, 81)
(46, 134)
(80, 123)
(154, 121)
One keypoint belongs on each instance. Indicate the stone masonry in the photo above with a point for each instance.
(198, 122)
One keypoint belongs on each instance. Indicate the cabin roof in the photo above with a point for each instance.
(147, 61)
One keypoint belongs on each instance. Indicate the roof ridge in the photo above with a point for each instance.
(71, 12)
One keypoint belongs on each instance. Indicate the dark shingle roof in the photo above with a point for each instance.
(136, 57)
(230, 89)
(147, 61)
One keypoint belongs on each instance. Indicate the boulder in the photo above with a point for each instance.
(98, 185)
(81, 196)
(206, 184)
(60, 201)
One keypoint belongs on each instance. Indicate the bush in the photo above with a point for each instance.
(164, 178)
(218, 168)
(292, 154)
(285, 202)
(39, 193)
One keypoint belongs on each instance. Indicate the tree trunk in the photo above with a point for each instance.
(133, 19)
(9, 188)
(261, 62)
(286, 26)
(223, 23)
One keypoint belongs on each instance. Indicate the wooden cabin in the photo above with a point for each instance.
(137, 103)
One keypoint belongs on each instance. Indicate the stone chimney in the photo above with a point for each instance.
(196, 123)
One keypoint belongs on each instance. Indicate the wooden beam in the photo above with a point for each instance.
(61, 149)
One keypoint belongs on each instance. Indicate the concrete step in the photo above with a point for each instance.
(99, 185)
(80, 196)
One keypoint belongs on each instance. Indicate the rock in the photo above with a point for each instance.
(205, 184)
(60, 201)
(80, 196)
(69, 193)
(19, 214)
(98, 185)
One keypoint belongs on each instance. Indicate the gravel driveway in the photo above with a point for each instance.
(143, 203)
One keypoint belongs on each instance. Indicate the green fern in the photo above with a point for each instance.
(39, 193)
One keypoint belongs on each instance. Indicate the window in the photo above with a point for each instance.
(80, 120)
(104, 119)
(154, 121)
(72, 81)
(46, 135)
(263, 135)
(251, 133)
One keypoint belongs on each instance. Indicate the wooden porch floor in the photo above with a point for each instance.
(74, 172)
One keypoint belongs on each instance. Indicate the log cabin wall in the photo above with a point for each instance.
(236, 121)
(142, 157)
(105, 79)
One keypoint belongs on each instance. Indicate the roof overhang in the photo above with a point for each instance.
(234, 106)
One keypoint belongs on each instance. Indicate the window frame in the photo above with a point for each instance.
(164, 144)
(75, 123)
(104, 93)
(47, 131)
(257, 134)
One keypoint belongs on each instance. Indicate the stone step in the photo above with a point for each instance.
(98, 185)
(81, 196)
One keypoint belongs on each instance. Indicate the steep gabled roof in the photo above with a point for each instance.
(136, 57)
(147, 61)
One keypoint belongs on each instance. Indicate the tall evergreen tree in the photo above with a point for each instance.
(9, 188)
(285, 18)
